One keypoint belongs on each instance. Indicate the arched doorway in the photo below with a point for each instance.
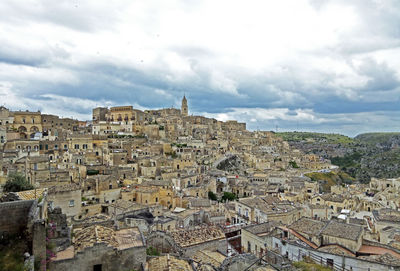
(22, 132)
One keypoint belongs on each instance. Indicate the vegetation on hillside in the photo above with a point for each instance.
(328, 179)
(315, 137)
(365, 156)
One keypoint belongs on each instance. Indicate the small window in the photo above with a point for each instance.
(76, 146)
(71, 203)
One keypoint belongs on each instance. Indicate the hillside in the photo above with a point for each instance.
(316, 137)
(328, 179)
(365, 156)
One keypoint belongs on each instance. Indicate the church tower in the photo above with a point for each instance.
(184, 107)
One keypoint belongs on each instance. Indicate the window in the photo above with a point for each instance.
(65, 147)
(76, 146)
(71, 203)
(248, 246)
(56, 147)
(46, 147)
(84, 146)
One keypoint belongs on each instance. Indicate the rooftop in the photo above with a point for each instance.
(198, 235)
(122, 239)
(31, 194)
(168, 263)
(308, 226)
(342, 230)
(64, 188)
(261, 228)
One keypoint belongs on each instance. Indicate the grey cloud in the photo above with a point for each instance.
(381, 76)
(212, 84)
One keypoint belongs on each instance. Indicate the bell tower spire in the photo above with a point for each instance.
(184, 107)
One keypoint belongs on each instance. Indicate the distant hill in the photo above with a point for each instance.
(380, 140)
(316, 137)
(365, 156)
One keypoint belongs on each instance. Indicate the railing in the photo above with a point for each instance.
(322, 261)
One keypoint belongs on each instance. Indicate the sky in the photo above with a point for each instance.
(304, 65)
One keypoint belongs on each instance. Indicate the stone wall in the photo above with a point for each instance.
(14, 216)
(163, 242)
(214, 245)
(109, 258)
(39, 240)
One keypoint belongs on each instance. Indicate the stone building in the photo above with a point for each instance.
(101, 248)
(68, 197)
(27, 123)
(99, 114)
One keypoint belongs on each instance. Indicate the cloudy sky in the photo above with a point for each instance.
(317, 65)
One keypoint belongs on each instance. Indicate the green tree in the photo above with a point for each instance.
(16, 182)
(293, 164)
(212, 196)
(228, 196)
(151, 251)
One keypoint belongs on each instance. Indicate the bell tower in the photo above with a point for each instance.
(184, 107)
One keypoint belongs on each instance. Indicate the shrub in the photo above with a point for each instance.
(16, 182)
(151, 251)
(212, 196)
